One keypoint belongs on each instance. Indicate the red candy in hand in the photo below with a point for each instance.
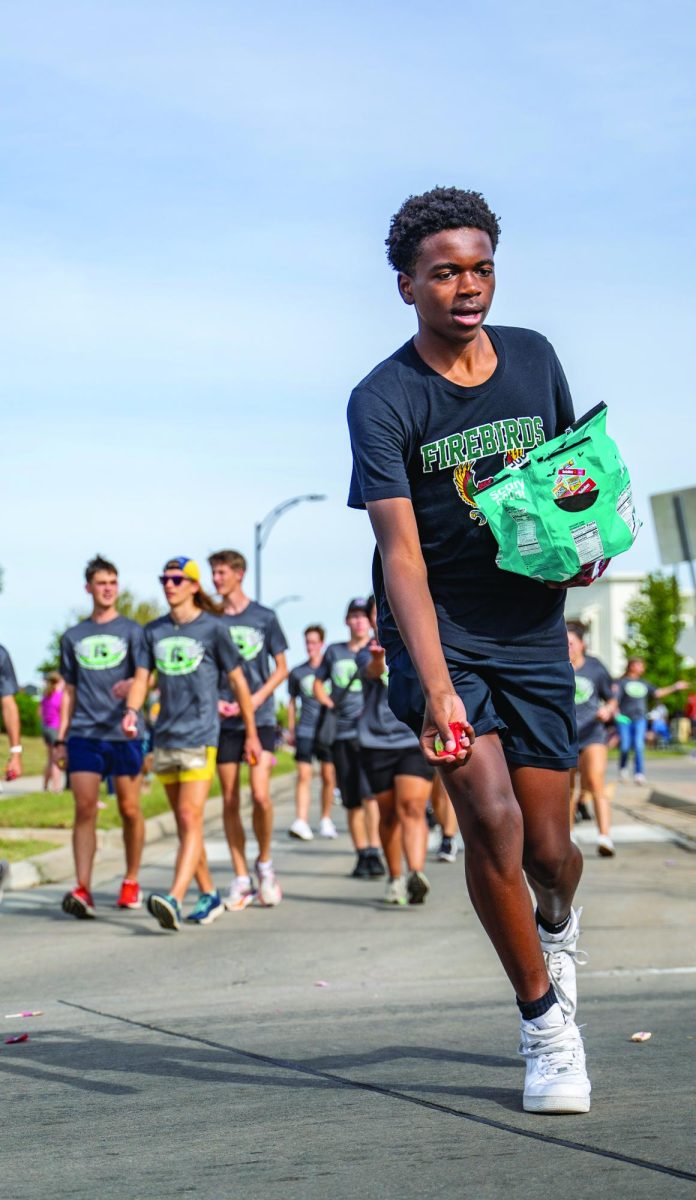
(456, 729)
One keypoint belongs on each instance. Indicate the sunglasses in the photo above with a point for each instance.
(176, 580)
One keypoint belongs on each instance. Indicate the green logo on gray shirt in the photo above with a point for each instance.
(248, 641)
(101, 652)
(178, 655)
(344, 674)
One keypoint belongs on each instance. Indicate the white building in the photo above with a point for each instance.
(602, 608)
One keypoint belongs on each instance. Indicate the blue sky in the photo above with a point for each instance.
(192, 270)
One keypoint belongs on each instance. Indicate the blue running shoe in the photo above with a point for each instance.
(166, 909)
(207, 909)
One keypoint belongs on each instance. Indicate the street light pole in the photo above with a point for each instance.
(263, 528)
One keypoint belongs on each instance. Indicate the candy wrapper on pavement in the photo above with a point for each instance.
(566, 508)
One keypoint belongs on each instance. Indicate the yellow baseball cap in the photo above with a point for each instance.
(187, 566)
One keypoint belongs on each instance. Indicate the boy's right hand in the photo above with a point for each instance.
(129, 724)
(440, 713)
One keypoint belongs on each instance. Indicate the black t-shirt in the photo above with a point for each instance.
(301, 687)
(593, 687)
(415, 434)
(635, 697)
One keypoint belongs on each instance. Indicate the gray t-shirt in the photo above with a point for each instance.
(94, 656)
(593, 687)
(635, 698)
(189, 660)
(8, 679)
(258, 637)
(378, 728)
(301, 687)
(339, 665)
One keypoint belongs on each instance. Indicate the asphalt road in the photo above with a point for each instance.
(211, 1064)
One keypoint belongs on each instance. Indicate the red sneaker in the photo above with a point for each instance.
(130, 895)
(79, 903)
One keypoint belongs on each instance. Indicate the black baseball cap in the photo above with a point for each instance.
(357, 604)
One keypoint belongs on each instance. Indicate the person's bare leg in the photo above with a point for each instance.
(303, 791)
(573, 796)
(390, 831)
(356, 828)
(411, 799)
(128, 800)
(328, 783)
(85, 789)
(593, 761)
(48, 768)
(231, 816)
(443, 809)
(490, 819)
(552, 862)
(262, 812)
(371, 810)
(188, 802)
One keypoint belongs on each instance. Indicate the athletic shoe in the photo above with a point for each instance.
(4, 875)
(605, 846)
(560, 954)
(430, 816)
(448, 850)
(269, 893)
(301, 830)
(130, 895)
(79, 903)
(327, 829)
(166, 909)
(396, 891)
(375, 865)
(640, 779)
(361, 870)
(207, 909)
(556, 1078)
(417, 887)
(239, 897)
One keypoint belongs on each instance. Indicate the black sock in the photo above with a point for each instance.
(531, 1009)
(549, 926)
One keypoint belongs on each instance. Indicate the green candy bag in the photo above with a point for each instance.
(568, 508)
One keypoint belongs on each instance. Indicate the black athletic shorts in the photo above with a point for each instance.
(306, 749)
(382, 766)
(231, 743)
(530, 705)
(352, 781)
(592, 735)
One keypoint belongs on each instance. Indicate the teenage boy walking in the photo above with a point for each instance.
(256, 632)
(98, 658)
(302, 733)
(466, 642)
(10, 714)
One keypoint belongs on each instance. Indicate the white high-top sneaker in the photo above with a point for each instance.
(556, 1080)
(560, 955)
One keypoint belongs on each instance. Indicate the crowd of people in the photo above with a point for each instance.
(456, 667)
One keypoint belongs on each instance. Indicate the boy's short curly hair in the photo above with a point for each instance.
(441, 208)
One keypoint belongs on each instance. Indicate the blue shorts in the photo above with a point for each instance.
(100, 757)
(531, 706)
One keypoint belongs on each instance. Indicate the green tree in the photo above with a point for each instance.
(655, 622)
(127, 604)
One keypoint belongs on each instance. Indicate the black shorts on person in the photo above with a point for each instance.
(530, 705)
(592, 735)
(231, 743)
(352, 781)
(306, 749)
(382, 766)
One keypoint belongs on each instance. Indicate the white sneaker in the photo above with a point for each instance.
(269, 893)
(300, 829)
(327, 829)
(560, 954)
(395, 891)
(239, 897)
(639, 779)
(605, 846)
(556, 1078)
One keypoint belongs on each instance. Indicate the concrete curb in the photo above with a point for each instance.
(56, 866)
